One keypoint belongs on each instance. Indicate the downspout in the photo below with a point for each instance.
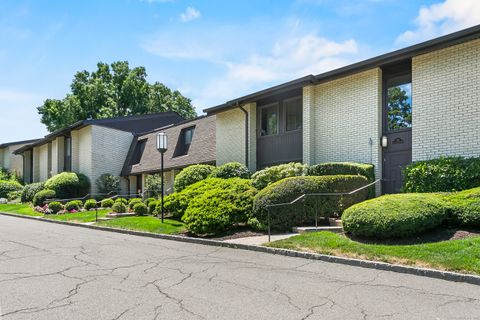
(246, 133)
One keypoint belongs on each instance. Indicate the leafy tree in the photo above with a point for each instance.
(113, 90)
(399, 109)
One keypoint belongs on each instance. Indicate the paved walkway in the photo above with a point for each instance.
(259, 240)
(51, 271)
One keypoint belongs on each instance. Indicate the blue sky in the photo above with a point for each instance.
(212, 51)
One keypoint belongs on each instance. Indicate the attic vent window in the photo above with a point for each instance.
(184, 140)
(138, 152)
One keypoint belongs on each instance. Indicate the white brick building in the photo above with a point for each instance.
(422, 102)
(11, 161)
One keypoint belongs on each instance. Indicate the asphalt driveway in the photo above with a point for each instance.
(50, 271)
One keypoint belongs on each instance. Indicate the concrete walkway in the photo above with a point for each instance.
(259, 240)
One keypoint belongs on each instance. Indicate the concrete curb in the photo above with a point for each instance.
(424, 272)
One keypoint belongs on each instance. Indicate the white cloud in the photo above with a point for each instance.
(190, 14)
(442, 18)
(290, 58)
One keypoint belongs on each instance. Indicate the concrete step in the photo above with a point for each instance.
(336, 229)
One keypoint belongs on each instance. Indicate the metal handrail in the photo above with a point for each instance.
(303, 196)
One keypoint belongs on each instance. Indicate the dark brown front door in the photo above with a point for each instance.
(397, 126)
(396, 156)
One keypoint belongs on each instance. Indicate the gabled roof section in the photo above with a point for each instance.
(14, 143)
(134, 124)
(379, 61)
(201, 150)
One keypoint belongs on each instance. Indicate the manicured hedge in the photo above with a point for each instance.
(267, 176)
(30, 190)
(107, 203)
(464, 208)
(73, 205)
(119, 207)
(41, 196)
(132, 202)
(220, 207)
(140, 208)
(191, 175)
(68, 185)
(442, 174)
(90, 204)
(231, 170)
(55, 207)
(286, 190)
(7, 186)
(395, 216)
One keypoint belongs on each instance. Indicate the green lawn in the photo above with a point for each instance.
(145, 223)
(24, 209)
(455, 255)
(87, 216)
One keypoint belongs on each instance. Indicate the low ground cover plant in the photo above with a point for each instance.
(284, 191)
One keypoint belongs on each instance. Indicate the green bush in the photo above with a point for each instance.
(231, 170)
(349, 168)
(303, 212)
(220, 206)
(148, 200)
(107, 203)
(395, 216)
(8, 186)
(119, 207)
(140, 208)
(464, 208)
(442, 175)
(41, 196)
(267, 176)
(153, 185)
(108, 183)
(73, 205)
(90, 204)
(121, 200)
(55, 207)
(132, 202)
(191, 175)
(68, 185)
(152, 207)
(30, 190)
(14, 195)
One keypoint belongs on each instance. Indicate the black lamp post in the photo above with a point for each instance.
(162, 148)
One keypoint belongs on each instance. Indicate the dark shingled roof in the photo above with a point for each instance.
(8, 144)
(379, 61)
(134, 124)
(202, 147)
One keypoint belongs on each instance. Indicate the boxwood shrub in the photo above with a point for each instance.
(119, 207)
(231, 170)
(30, 190)
(55, 207)
(220, 207)
(464, 208)
(442, 174)
(7, 186)
(303, 212)
(191, 175)
(132, 202)
(73, 205)
(68, 185)
(140, 208)
(152, 207)
(90, 204)
(107, 203)
(396, 216)
(263, 178)
(121, 200)
(41, 196)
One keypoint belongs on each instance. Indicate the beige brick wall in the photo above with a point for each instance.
(11, 161)
(43, 162)
(230, 136)
(446, 102)
(58, 146)
(109, 150)
(36, 165)
(346, 124)
(82, 151)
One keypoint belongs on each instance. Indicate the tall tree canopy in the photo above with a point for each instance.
(112, 91)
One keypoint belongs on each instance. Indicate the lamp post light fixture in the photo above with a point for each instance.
(162, 145)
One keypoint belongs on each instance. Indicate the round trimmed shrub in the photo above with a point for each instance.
(7, 186)
(395, 216)
(119, 207)
(152, 207)
(148, 200)
(132, 202)
(220, 207)
(140, 208)
(73, 205)
(267, 176)
(90, 204)
(30, 190)
(41, 196)
(121, 200)
(191, 175)
(464, 208)
(107, 203)
(303, 212)
(231, 170)
(55, 207)
(68, 185)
